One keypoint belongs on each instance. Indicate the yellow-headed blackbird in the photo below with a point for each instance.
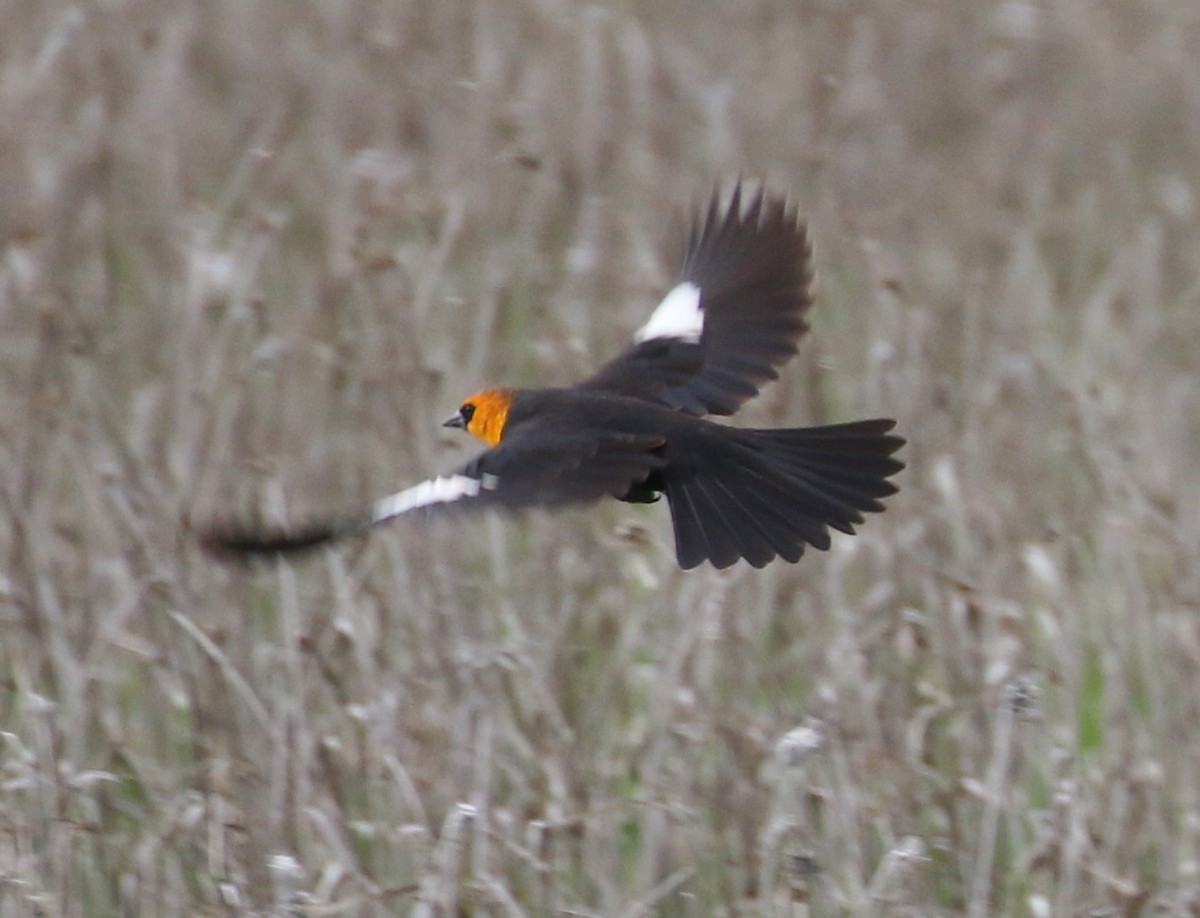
(636, 429)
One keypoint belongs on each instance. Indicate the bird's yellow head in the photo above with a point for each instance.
(483, 414)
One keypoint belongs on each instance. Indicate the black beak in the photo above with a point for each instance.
(456, 420)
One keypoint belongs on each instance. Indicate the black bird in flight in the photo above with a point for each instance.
(636, 429)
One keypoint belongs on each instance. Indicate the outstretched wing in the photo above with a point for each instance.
(526, 470)
(735, 315)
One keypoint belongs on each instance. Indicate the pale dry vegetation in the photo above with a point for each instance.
(254, 252)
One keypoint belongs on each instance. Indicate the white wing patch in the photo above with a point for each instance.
(441, 490)
(677, 316)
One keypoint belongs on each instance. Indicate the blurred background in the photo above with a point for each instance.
(252, 253)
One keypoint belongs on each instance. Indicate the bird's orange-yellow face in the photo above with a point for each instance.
(484, 414)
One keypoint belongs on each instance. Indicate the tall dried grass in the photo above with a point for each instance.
(253, 251)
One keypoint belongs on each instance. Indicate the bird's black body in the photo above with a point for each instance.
(636, 429)
(734, 492)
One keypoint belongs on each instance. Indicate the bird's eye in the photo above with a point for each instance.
(467, 411)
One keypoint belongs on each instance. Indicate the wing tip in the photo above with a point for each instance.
(752, 202)
(229, 540)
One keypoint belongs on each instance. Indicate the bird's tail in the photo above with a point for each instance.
(758, 494)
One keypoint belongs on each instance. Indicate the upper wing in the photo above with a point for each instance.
(526, 470)
(735, 315)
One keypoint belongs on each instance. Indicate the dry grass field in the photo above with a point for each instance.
(252, 253)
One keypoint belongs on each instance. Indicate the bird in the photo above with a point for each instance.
(641, 427)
